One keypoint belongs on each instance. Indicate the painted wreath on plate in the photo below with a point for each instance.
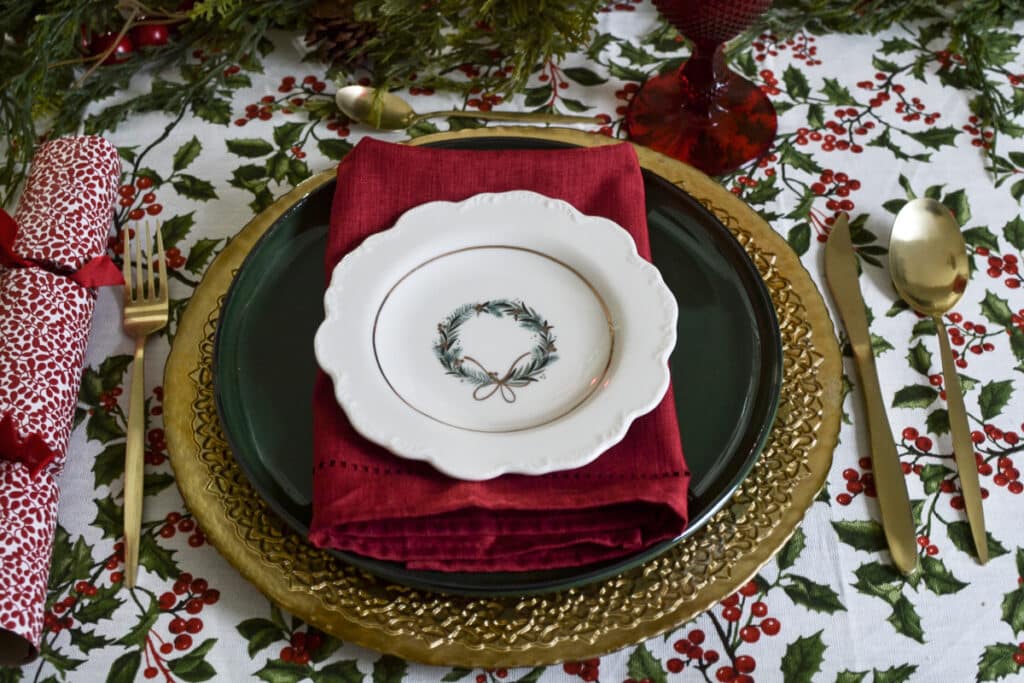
(523, 371)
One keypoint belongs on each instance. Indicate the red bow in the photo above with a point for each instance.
(99, 271)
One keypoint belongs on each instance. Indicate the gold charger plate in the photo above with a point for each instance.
(436, 628)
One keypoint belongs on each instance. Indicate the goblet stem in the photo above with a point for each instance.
(703, 75)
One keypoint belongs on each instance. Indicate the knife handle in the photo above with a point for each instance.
(893, 501)
(963, 447)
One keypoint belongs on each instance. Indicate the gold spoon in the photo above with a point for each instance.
(928, 263)
(387, 111)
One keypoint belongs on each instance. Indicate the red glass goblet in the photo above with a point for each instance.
(705, 114)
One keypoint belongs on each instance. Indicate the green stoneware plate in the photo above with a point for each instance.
(727, 367)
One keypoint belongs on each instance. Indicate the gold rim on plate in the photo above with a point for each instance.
(436, 628)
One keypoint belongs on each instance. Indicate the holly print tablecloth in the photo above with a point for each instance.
(865, 123)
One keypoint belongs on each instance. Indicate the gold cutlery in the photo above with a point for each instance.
(145, 312)
(928, 263)
(893, 500)
(388, 111)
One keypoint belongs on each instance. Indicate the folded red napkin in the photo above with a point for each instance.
(368, 501)
(51, 256)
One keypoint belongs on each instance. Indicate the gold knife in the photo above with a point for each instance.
(893, 500)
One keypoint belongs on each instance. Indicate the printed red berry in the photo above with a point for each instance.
(183, 642)
(923, 443)
(194, 606)
(745, 664)
(711, 656)
(909, 434)
(759, 609)
(725, 674)
(749, 589)
(844, 499)
(771, 626)
(166, 649)
(731, 601)
(750, 634)
(481, 678)
(177, 625)
(696, 636)
(167, 601)
(731, 614)
(144, 182)
(501, 673)
(681, 646)
(199, 586)
(211, 596)
(136, 214)
(287, 653)
(150, 672)
(194, 625)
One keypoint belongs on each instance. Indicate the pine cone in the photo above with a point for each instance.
(338, 37)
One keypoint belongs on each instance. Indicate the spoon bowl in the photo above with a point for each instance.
(929, 267)
(928, 257)
(378, 108)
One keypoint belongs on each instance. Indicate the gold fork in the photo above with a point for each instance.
(145, 312)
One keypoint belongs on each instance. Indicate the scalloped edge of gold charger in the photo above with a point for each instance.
(435, 628)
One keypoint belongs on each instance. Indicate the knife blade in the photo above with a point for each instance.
(893, 500)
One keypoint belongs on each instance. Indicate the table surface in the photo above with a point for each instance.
(831, 611)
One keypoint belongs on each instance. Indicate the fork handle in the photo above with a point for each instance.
(133, 465)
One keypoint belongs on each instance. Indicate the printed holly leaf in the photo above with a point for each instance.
(298, 171)
(456, 674)
(136, 636)
(787, 556)
(866, 535)
(87, 641)
(906, 620)
(815, 116)
(1013, 610)
(803, 659)
(880, 581)
(187, 153)
(915, 396)
(531, 676)
(277, 166)
(214, 110)
(932, 476)
(814, 596)
(938, 421)
(200, 254)
(109, 464)
(109, 516)
(981, 237)
(336, 149)
(997, 310)
(642, 664)
(1017, 342)
(249, 147)
(879, 345)
(389, 669)
(956, 202)
(155, 482)
(103, 427)
(799, 238)
(260, 633)
(923, 327)
(896, 674)
(851, 676)
(994, 397)
(967, 383)
(157, 559)
(287, 134)
(916, 508)
(69, 563)
(339, 672)
(997, 662)
(100, 606)
(1014, 233)
(960, 534)
(621, 72)
(125, 667)
(936, 138)
(585, 76)
(836, 92)
(194, 188)
(920, 358)
(538, 96)
(462, 124)
(193, 667)
(796, 83)
(793, 157)
(1020, 561)
(177, 228)
(938, 578)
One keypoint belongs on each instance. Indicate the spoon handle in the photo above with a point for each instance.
(963, 448)
(520, 116)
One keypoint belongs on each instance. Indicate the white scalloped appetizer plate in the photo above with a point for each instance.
(507, 333)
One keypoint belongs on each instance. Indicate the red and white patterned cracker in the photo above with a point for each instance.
(28, 517)
(44, 327)
(64, 213)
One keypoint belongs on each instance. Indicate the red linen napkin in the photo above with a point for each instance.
(51, 255)
(376, 504)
